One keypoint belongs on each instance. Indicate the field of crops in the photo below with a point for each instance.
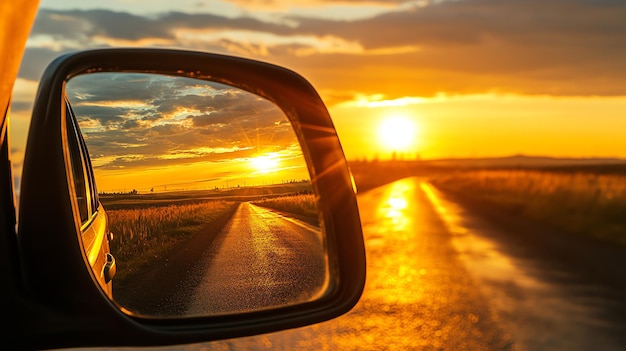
(143, 234)
(577, 202)
(299, 204)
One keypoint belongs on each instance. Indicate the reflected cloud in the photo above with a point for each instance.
(142, 122)
(193, 153)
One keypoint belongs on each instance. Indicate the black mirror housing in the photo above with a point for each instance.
(61, 293)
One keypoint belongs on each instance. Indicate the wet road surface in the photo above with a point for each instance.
(442, 278)
(259, 260)
(545, 301)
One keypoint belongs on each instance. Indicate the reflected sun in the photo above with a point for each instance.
(265, 163)
(397, 133)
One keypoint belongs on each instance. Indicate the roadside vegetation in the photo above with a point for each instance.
(143, 235)
(299, 204)
(583, 203)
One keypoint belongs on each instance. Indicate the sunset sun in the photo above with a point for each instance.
(397, 133)
(265, 163)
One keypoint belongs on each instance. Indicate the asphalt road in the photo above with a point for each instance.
(259, 260)
(444, 276)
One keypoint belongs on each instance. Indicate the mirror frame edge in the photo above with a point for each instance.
(98, 321)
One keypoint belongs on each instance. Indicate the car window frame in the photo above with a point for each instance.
(78, 152)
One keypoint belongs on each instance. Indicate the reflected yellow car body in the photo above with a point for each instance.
(96, 243)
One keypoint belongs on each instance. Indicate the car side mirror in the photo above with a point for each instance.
(103, 121)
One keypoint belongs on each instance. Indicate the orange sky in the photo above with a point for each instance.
(490, 125)
(469, 78)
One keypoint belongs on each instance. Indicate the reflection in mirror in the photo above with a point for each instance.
(207, 193)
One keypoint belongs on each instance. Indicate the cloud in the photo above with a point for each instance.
(474, 21)
(558, 47)
(197, 121)
(35, 61)
(180, 20)
(77, 24)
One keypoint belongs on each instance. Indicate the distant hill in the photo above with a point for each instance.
(523, 161)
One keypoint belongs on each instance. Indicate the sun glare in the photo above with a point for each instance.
(397, 133)
(265, 163)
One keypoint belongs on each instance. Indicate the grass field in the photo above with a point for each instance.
(584, 203)
(298, 204)
(143, 235)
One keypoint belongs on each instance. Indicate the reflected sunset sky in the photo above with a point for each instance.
(474, 78)
(158, 133)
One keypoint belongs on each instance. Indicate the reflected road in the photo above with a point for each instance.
(260, 259)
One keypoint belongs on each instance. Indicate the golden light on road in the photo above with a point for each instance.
(265, 163)
(397, 133)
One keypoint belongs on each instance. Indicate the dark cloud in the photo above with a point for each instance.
(81, 24)
(35, 61)
(206, 21)
(473, 21)
(244, 112)
(104, 115)
(77, 24)
(209, 119)
(61, 24)
(131, 124)
(167, 129)
(95, 88)
(227, 100)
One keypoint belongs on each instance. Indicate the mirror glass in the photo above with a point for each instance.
(206, 192)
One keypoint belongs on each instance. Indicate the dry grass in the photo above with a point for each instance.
(145, 234)
(300, 204)
(577, 202)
